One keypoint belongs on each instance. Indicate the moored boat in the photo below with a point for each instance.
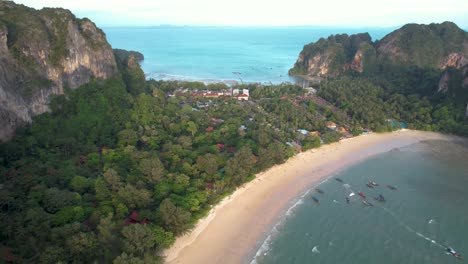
(319, 191)
(380, 198)
(373, 183)
(315, 199)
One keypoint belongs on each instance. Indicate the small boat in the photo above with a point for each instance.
(380, 198)
(373, 183)
(370, 185)
(347, 200)
(339, 180)
(392, 187)
(362, 195)
(319, 191)
(452, 252)
(315, 199)
(366, 203)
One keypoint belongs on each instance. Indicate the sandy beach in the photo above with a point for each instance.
(236, 227)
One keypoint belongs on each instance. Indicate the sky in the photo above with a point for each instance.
(355, 13)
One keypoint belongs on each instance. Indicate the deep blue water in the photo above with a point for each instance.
(259, 54)
(427, 213)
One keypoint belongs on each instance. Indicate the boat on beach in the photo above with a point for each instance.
(315, 199)
(319, 191)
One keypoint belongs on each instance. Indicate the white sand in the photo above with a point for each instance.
(234, 229)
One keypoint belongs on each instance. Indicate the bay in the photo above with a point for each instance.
(426, 214)
(241, 54)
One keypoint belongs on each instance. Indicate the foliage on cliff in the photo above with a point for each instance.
(129, 67)
(332, 53)
(417, 73)
(433, 46)
(44, 52)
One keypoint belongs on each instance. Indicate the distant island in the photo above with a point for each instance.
(99, 164)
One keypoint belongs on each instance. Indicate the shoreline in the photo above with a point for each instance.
(235, 228)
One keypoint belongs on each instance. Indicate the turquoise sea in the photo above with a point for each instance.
(242, 54)
(427, 212)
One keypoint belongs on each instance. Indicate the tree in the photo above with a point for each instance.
(55, 199)
(102, 192)
(82, 245)
(192, 128)
(133, 197)
(331, 136)
(127, 137)
(113, 179)
(162, 238)
(240, 166)
(153, 169)
(80, 184)
(310, 142)
(173, 217)
(138, 239)
(106, 231)
(208, 163)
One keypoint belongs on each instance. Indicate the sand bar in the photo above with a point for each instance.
(236, 227)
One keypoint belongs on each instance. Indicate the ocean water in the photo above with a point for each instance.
(427, 213)
(241, 54)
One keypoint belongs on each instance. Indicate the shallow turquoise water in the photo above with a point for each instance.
(259, 54)
(426, 213)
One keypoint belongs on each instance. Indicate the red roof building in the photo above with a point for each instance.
(220, 146)
(242, 97)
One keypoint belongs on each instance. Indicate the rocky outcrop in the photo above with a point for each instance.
(437, 46)
(42, 53)
(332, 56)
(454, 84)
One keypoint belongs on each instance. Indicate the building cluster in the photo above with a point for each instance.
(239, 94)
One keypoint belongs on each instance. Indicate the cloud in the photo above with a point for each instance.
(264, 12)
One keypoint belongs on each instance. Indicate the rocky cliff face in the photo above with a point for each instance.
(42, 53)
(427, 46)
(332, 56)
(435, 45)
(454, 84)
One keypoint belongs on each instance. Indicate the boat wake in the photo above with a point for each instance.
(411, 230)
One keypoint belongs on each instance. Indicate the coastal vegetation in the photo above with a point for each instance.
(114, 172)
(119, 167)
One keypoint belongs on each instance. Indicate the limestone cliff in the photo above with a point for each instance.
(435, 46)
(332, 56)
(454, 84)
(42, 53)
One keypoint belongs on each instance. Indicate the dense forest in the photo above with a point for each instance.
(121, 167)
(118, 168)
